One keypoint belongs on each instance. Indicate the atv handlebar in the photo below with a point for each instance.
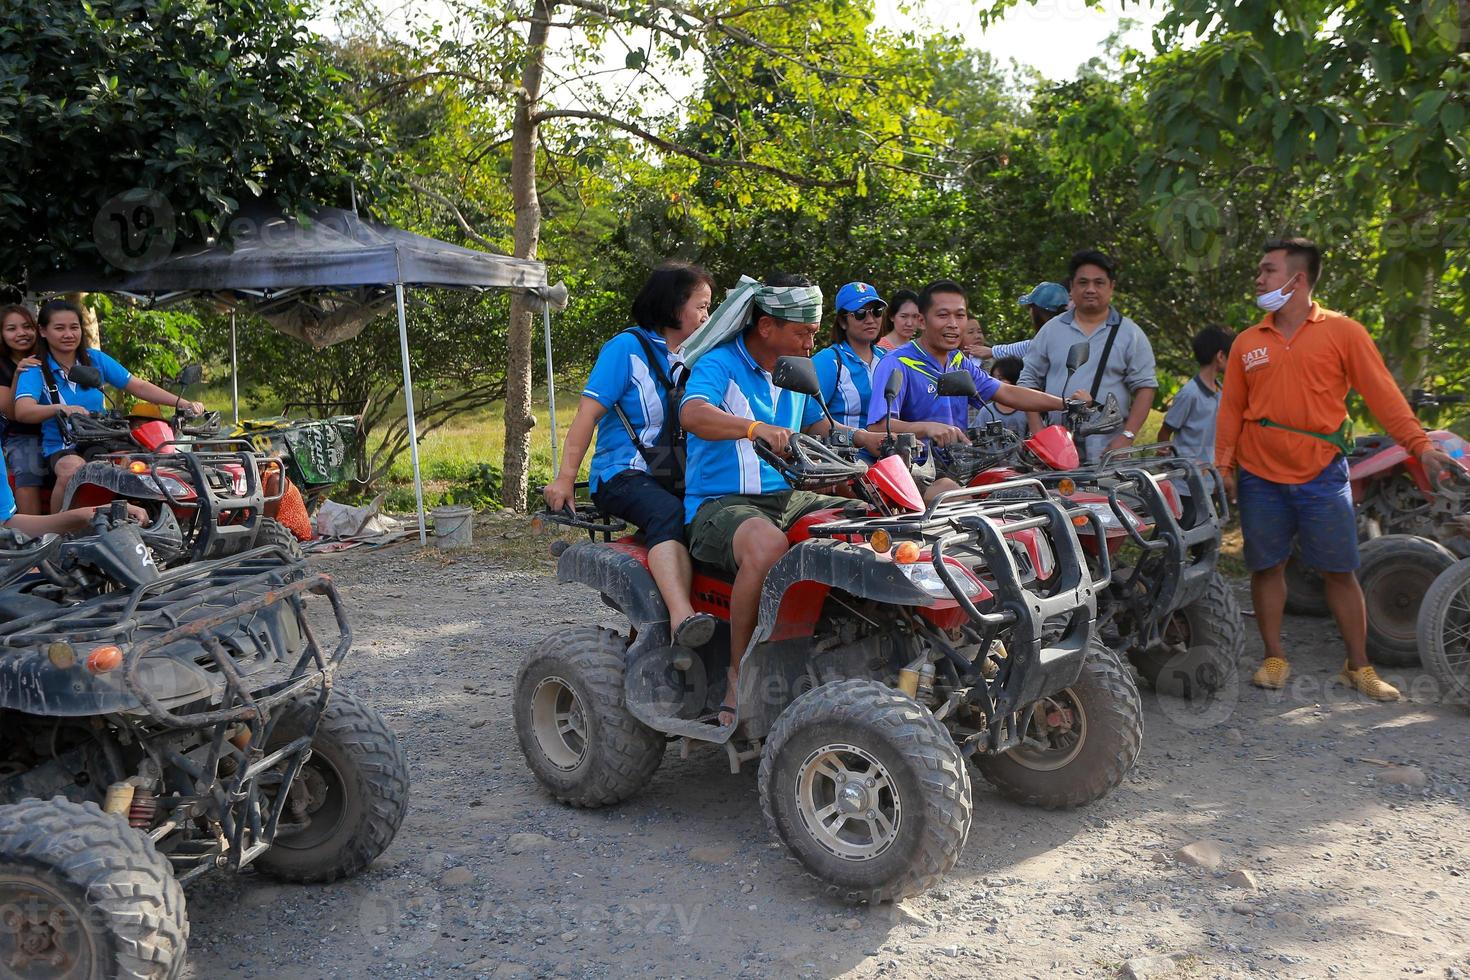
(811, 463)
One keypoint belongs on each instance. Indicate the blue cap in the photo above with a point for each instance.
(856, 296)
(1048, 296)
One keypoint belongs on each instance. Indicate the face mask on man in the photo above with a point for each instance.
(1276, 298)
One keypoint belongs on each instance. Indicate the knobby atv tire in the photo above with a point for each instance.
(923, 761)
(620, 752)
(1111, 737)
(1209, 665)
(1446, 609)
(273, 532)
(130, 917)
(1305, 594)
(1396, 573)
(359, 761)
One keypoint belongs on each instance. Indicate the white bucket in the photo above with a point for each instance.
(454, 526)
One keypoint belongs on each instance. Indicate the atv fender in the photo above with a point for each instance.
(796, 587)
(118, 481)
(625, 584)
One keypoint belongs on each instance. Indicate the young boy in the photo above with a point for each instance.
(1007, 369)
(1190, 421)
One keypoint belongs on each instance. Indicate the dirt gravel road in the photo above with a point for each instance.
(1333, 833)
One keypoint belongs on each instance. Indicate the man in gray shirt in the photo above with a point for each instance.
(1127, 369)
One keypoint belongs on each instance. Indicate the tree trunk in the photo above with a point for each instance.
(518, 418)
(91, 330)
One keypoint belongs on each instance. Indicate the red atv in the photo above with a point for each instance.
(222, 493)
(1410, 532)
(889, 646)
(1166, 605)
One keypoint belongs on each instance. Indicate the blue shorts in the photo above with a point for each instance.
(1319, 514)
(23, 459)
(642, 501)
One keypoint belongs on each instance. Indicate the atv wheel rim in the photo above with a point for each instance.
(42, 934)
(848, 802)
(559, 723)
(1057, 732)
(1456, 634)
(1393, 602)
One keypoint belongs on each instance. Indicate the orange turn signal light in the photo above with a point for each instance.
(906, 553)
(1066, 486)
(137, 466)
(1081, 520)
(881, 541)
(103, 659)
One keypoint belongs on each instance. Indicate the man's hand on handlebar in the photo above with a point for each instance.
(1438, 466)
(71, 410)
(190, 408)
(941, 434)
(560, 494)
(777, 438)
(135, 513)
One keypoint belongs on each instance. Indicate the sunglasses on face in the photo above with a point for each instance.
(871, 313)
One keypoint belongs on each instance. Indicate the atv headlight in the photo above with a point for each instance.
(926, 576)
(1109, 519)
(169, 485)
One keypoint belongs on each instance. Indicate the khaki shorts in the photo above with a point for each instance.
(712, 532)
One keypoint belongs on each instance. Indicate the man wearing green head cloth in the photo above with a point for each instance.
(737, 506)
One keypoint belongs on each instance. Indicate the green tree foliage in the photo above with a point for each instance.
(205, 103)
(1347, 121)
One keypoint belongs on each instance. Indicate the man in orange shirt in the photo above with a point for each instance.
(1280, 442)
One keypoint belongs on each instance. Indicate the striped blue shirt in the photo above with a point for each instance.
(622, 376)
(730, 379)
(847, 383)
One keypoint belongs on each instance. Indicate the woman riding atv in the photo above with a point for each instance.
(627, 400)
(43, 394)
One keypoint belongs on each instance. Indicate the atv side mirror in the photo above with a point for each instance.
(189, 376)
(85, 375)
(797, 374)
(1078, 354)
(893, 386)
(957, 383)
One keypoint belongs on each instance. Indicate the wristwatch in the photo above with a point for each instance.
(1130, 436)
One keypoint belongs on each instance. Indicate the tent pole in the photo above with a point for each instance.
(234, 373)
(550, 380)
(413, 432)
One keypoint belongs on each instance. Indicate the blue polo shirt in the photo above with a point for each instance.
(624, 377)
(847, 383)
(730, 379)
(918, 399)
(32, 384)
(7, 495)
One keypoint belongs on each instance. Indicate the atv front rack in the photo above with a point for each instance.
(1175, 562)
(1048, 627)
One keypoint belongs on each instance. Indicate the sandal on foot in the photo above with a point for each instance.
(695, 631)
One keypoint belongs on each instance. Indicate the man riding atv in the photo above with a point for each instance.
(737, 506)
(919, 408)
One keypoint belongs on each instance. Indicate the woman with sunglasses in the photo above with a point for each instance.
(846, 368)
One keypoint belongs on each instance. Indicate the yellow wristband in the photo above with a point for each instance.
(750, 432)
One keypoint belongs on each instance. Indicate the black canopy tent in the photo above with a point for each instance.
(320, 279)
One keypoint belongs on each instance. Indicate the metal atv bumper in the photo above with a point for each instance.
(1176, 563)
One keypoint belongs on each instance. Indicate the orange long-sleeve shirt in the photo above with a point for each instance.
(1304, 384)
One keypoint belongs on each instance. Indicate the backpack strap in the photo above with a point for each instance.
(1102, 365)
(653, 358)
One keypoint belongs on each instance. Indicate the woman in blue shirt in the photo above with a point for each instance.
(625, 392)
(43, 394)
(846, 368)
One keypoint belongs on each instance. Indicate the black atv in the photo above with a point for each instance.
(155, 726)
